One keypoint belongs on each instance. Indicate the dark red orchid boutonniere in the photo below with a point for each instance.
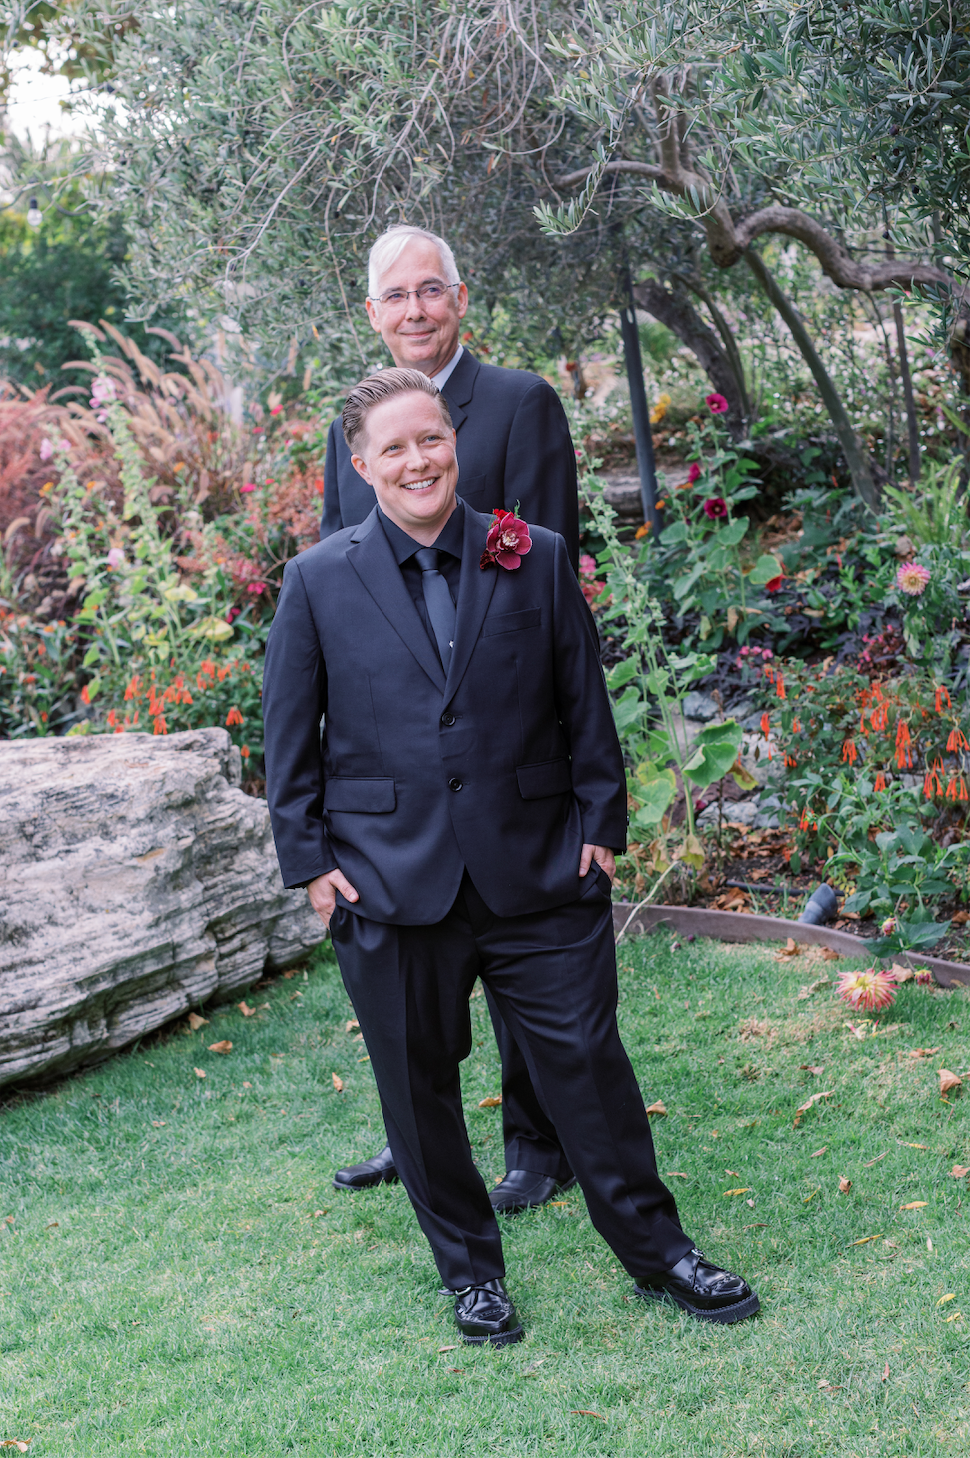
(507, 542)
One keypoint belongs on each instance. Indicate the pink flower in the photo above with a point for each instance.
(591, 590)
(872, 990)
(888, 926)
(248, 486)
(716, 507)
(912, 579)
(694, 473)
(716, 404)
(115, 557)
(924, 977)
(256, 587)
(587, 566)
(46, 449)
(507, 542)
(276, 410)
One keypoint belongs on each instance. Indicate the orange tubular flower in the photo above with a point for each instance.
(932, 784)
(765, 725)
(880, 781)
(780, 687)
(941, 695)
(956, 741)
(158, 725)
(796, 728)
(849, 752)
(904, 756)
(791, 761)
(862, 725)
(234, 717)
(769, 673)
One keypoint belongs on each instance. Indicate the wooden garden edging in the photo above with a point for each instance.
(739, 926)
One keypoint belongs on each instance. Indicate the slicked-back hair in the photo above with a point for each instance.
(389, 247)
(384, 386)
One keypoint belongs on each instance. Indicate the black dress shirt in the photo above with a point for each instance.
(448, 544)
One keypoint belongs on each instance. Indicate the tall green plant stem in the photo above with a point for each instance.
(855, 454)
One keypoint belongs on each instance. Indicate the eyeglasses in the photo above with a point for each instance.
(397, 298)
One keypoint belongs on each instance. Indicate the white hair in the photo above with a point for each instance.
(391, 245)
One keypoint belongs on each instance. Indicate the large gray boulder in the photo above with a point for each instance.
(136, 881)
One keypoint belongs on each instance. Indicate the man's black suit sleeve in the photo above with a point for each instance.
(331, 521)
(294, 703)
(583, 707)
(540, 466)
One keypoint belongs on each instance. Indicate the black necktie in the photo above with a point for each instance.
(437, 599)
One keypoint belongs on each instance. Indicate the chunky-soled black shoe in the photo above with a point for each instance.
(377, 1171)
(704, 1290)
(522, 1189)
(485, 1314)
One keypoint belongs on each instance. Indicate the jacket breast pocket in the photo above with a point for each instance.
(551, 777)
(359, 796)
(512, 622)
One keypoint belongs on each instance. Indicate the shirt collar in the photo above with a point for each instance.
(444, 375)
(449, 539)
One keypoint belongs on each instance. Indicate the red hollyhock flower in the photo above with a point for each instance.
(716, 404)
(716, 507)
(507, 542)
(694, 473)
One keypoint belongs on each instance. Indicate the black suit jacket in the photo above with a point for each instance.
(513, 444)
(505, 767)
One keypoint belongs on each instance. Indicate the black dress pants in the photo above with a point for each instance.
(530, 1140)
(553, 978)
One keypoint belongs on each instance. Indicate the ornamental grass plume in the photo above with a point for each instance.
(871, 990)
(912, 578)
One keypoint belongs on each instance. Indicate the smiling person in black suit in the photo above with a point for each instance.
(513, 446)
(459, 819)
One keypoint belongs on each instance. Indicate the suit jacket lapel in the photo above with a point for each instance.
(371, 557)
(460, 386)
(475, 589)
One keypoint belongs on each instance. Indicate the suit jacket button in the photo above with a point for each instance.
(447, 720)
(454, 785)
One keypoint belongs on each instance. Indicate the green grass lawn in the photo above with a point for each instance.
(178, 1276)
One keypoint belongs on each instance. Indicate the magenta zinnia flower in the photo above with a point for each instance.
(694, 473)
(912, 578)
(716, 507)
(716, 404)
(872, 990)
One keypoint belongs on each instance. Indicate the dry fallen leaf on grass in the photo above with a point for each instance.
(223, 1046)
(658, 1108)
(870, 1162)
(804, 1108)
(915, 1205)
(818, 1152)
(338, 1082)
(790, 949)
(158, 1123)
(949, 1081)
(817, 1068)
(352, 1023)
(960, 918)
(957, 1316)
(922, 1052)
(492, 1102)
(885, 1373)
(844, 1185)
(245, 1009)
(906, 1144)
(200, 1073)
(950, 1296)
(585, 1412)
(195, 1022)
(742, 1191)
(959, 1171)
(17, 1443)
(866, 1239)
(446, 1349)
(829, 954)
(676, 1174)
(826, 1386)
(900, 973)
(735, 1172)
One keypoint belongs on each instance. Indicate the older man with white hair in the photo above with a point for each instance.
(514, 450)
(513, 437)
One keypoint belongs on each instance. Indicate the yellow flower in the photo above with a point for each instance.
(660, 409)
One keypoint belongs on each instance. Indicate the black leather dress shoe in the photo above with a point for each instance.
(485, 1314)
(523, 1189)
(705, 1291)
(377, 1171)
